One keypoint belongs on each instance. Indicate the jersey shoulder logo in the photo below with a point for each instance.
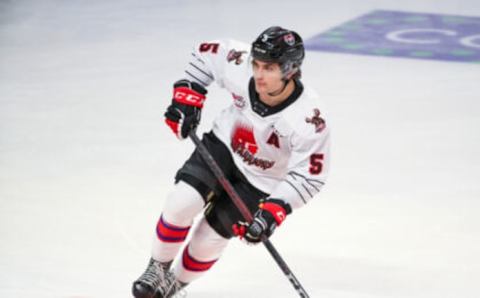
(236, 56)
(316, 120)
(238, 101)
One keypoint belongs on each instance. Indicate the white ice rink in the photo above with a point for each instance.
(86, 160)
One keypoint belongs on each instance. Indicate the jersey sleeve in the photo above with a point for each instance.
(308, 169)
(207, 62)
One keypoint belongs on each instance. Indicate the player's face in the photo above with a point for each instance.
(267, 76)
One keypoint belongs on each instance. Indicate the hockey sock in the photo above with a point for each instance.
(203, 250)
(169, 239)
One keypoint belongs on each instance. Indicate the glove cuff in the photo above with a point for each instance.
(277, 208)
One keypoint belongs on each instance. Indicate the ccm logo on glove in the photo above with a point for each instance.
(189, 97)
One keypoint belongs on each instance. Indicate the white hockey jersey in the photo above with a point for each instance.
(284, 150)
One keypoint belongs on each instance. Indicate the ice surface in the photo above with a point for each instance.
(86, 161)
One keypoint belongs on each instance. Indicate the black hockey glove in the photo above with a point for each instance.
(271, 214)
(183, 114)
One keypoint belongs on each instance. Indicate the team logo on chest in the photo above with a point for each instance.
(317, 121)
(245, 145)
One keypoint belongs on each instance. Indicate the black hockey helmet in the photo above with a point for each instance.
(282, 46)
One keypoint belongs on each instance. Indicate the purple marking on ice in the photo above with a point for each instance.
(402, 34)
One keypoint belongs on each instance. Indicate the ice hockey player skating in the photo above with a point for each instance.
(272, 143)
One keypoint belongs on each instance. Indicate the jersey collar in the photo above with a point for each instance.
(265, 110)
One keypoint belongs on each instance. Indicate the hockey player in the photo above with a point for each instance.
(272, 143)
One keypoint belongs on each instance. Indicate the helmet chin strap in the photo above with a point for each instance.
(285, 83)
(280, 90)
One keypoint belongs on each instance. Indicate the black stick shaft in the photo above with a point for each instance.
(207, 157)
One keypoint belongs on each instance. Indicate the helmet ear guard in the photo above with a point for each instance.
(282, 46)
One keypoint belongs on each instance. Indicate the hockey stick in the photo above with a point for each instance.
(207, 157)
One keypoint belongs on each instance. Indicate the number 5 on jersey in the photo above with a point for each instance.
(209, 47)
(316, 163)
